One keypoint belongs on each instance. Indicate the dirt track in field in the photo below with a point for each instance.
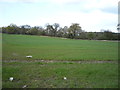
(63, 61)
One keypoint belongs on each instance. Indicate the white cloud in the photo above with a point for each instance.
(101, 3)
(12, 1)
(93, 20)
(93, 3)
(65, 1)
(55, 1)
(87, 4)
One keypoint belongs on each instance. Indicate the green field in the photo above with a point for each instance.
(50, 74)
(16, 47)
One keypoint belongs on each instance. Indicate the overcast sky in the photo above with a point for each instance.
(92, 15)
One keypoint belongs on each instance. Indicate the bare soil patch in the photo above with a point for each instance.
(63, 61)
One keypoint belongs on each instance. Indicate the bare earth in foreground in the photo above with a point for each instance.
(62, 61)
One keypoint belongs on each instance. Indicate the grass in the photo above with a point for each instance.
(0, 61)
(50, 75)
(18, 46)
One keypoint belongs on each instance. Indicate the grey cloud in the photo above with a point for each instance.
(119, 7)
(113, 10)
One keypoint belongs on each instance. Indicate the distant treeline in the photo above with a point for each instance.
(74, 32)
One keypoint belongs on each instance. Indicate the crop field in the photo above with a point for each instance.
(16, 47)
(51, 75)
(54, 58)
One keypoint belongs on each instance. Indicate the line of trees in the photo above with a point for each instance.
(74, 31)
